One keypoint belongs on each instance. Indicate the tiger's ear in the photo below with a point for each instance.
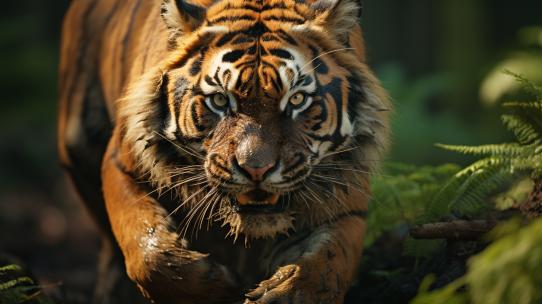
(337, 16)
(182, 15)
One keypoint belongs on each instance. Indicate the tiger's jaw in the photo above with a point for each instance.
(258, 201)
(257, 214)
(254, 213)
(256, 219)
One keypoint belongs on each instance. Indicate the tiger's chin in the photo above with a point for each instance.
(256, 220)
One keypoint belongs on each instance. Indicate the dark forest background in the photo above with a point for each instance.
(440, 60)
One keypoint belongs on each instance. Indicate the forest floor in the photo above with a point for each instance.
(54, 238)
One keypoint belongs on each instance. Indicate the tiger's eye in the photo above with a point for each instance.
(297, 99)
(219, 100)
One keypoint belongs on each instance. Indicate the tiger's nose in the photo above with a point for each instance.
(257, 173)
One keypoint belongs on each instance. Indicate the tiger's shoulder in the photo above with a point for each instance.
(111, 43)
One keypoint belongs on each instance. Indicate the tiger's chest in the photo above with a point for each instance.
(250, 261)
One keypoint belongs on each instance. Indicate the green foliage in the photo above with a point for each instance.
(522, 281)
(401, 195)
(408, 195)
(448, 294)
(502, 163)
(508, 271)
(16, 287)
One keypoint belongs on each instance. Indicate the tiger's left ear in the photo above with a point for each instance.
(337, 16)
(183, 15)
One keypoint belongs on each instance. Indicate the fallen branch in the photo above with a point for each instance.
(456, 230)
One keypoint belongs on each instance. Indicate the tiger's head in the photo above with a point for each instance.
(260, 113)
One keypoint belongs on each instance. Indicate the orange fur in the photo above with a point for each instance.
(157, 162)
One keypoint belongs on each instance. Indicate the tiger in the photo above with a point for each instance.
(224, 147)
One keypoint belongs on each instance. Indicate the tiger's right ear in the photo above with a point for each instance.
(182, 15)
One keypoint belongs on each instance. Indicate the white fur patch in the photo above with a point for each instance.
(346, 125)
(215, 29)
(138, 111)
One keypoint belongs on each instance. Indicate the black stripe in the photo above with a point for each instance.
(303, 81)
(186, 8)
(274, 80)
(241, 40)
(250, 7)
(209, 80)
(307, 80)
(280, 5)
(284, 54)
(185, 141)
(319, 66)
(270, 37)
(299, 162)
(240, 85)
(216, 78)
(299, 174)
(214, 161)
(127, 36)
(231, 19)
(227, 78)
(195, 118)
(257, 30)
(246, 63)
(122, 168)
(285, 19)
(233, 56)
(320, 118)
(282, 34)
(196, 67)
(227, 37)
(356, 95)
(252, 50)
(163, 110)
(202, 44)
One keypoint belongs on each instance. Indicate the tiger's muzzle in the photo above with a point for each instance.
(256, 170)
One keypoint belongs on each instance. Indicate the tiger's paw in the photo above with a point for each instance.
(284, 287)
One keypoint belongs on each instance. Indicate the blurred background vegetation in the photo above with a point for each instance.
(441, 61)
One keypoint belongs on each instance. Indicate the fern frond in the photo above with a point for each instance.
(509, 149)
(16, 287)
(528, 112)
(9, 268)
(445, 199)
(527, 85)
(12, 283)
(524, 131)
(529, 105)
(528, 163)
(472, 196)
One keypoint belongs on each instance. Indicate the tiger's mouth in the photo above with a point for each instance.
(258, 202)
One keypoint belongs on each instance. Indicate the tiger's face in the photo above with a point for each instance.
(262, 98)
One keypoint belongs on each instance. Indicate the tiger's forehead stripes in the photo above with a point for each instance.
(268, 54)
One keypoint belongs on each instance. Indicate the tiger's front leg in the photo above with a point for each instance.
(323, 266)
(156, 258)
